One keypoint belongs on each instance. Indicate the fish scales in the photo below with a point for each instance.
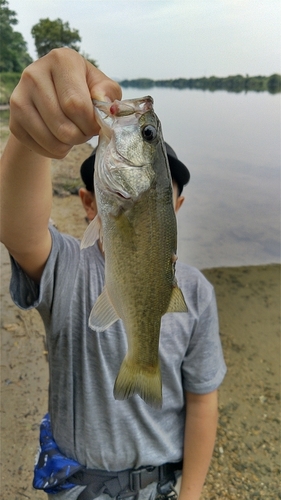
(139, 236)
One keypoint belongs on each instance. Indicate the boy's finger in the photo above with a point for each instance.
(77, 82)
(101, 87)
(37, 137)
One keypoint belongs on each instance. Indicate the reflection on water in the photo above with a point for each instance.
(231, 144)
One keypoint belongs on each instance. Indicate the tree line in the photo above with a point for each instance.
(237, 83)
(48, 34)
(13, 53)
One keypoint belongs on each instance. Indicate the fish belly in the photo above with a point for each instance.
(139, 247)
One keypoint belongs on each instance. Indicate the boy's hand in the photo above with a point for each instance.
(51, 108)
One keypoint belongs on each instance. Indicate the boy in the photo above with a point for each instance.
(92, 434)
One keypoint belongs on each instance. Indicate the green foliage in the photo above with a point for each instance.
(8, 82)
(237, 83)
(92, 61)
(143, 83)
(274, 83)
(50, 35)
(13, 54)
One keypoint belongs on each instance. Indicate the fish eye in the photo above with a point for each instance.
(149, 133)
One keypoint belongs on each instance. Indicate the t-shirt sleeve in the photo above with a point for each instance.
(203, 367)
(26, 294)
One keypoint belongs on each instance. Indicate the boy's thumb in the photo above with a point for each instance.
(101, 87)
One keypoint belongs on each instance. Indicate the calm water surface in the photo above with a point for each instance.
(231, 144)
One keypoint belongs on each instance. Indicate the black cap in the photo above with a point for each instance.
(179, 172)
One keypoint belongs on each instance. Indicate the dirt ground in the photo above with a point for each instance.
(246, 461)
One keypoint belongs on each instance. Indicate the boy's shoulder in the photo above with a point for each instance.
(197, 290)
(191, 276)
(67, 257)
(66, 242)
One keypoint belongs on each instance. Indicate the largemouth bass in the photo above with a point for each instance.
(136, 223)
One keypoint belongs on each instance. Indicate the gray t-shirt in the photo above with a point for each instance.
(88, 424)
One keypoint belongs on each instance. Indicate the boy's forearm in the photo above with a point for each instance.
(200, 434)
(26, 198)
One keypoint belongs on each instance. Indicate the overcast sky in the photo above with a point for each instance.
(167, 38)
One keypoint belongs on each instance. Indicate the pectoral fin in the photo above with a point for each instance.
(177, 301)
(92, 233)
(103, 314)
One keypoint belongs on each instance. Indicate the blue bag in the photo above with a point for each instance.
(53, 471)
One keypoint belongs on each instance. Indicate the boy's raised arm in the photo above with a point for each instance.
(26, 198)
(50, 111)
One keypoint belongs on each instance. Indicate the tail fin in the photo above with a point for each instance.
(133, 379)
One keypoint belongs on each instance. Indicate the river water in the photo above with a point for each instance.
(231, 144)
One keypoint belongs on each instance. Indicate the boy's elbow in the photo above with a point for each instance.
(203, 404)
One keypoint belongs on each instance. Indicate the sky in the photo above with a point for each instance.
(161, 39)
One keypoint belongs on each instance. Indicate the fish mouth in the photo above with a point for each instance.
(122, 163)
